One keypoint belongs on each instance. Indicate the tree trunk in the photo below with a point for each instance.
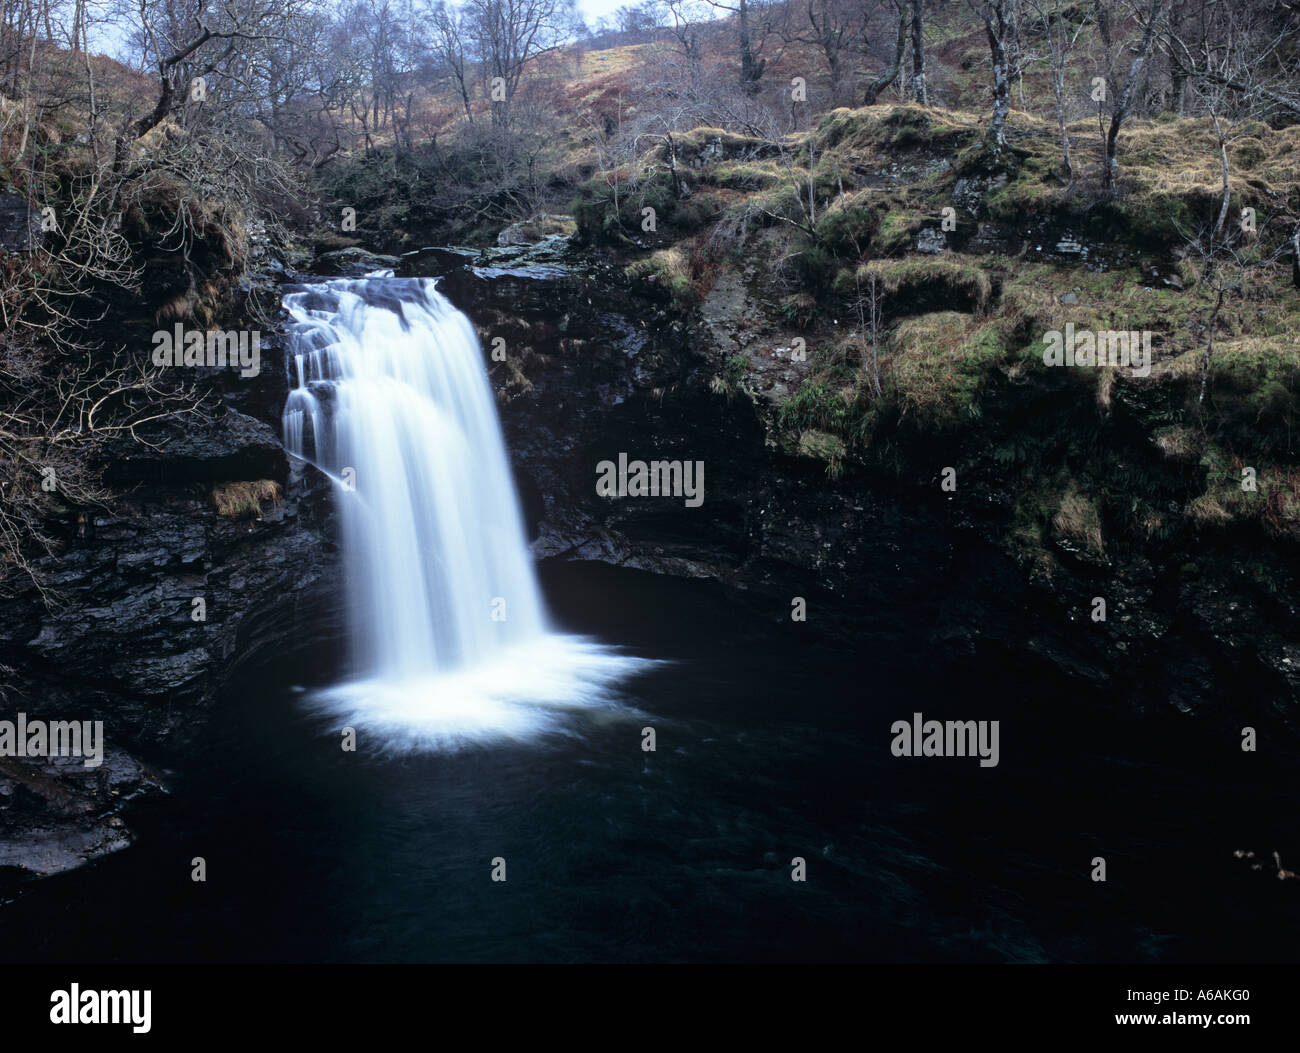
(995, 27)
(464, 96)
(1295, 256)
(1124, 103)
(1209, 346)
(833, 66)
(1178, 90)
(890, 75)
(1227, 187)
(1111, 171)
(751, 67)
(919, 91)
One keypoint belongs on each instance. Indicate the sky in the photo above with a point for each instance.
(108, 39)
(594, 9)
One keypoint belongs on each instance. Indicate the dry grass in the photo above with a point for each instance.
(1181, 156)
(1078, 522)
(1178, 442)
(939, 362)
(244, 499)
(957, 282)
(1274, 502)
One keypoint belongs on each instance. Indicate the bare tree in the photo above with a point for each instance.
(750, 37)
(833, 27)
(187, 41)
(1228, 256)
(1263, 38)
(1061, 34)
(1218, 52)
(920, 91)
(889, 75)
(640, 22)
(510, 36)
(1122, 95)
(999, 29)
(867, 305)
(449, 45)
(688, 18)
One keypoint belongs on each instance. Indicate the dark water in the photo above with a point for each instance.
(770, 746)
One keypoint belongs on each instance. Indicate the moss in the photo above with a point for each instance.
(799, 310)
(781, 200)
(1247, 153)
(744, 175)
(1177, 442)
(898, 227)
(835, 406)
(1116, 299)
(1151, 219)
(610, 209)
(842, 230)
(328, 241)
(1237, 492)
(967, 337)
(1031, 189)
(939, 364)
(866, 220)
(547, 224)
(669, 270)
(1254, 393)
(813, 265)
(730, 382)
(874, 128)
(705, 140)
(1170, 181)
(823, 446)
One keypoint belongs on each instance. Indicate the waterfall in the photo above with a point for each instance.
(389, 396)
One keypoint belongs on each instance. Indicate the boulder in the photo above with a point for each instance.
(352, 263)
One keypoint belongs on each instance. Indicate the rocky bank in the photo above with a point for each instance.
(590, 364)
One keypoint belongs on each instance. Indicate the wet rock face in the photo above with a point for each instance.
(589, 371)
(577, 370)
(60, 815)
(20, 224)
(129, 580)
(930, 241)
(529, 232)
(969, 192)
(235, 446)
(120, 638)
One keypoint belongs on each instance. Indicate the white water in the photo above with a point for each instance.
(390, 397)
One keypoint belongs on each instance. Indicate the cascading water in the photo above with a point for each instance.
(389, 396)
